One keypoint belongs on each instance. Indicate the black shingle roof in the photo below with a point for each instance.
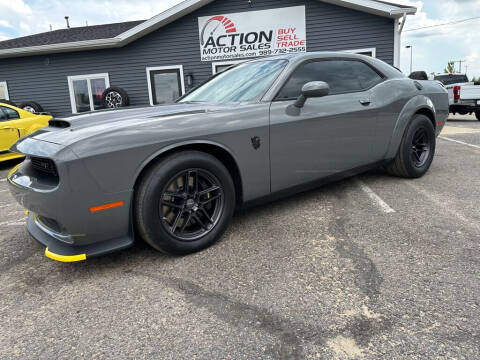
(94, 32)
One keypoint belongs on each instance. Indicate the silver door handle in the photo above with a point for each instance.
(365, 102)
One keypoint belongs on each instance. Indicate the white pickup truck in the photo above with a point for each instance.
(464, 96)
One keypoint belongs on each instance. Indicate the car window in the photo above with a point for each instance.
(10, 113)
(343, 76)
(450, 79)
(244, 82)
(3, 116)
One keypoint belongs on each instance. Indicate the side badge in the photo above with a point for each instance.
(256, 142)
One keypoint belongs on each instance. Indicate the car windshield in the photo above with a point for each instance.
(450, 79)
(244, 82)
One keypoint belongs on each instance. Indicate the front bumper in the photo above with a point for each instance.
(60, 251)
(61, 212)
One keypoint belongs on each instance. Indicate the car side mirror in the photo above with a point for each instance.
(312, 89)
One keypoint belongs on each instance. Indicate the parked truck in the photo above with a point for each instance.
(463, 95)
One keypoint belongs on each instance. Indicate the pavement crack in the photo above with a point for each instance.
(238, 313)
(290, 334)
(367, 276)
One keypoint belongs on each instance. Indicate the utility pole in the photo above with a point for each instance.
(411, 56)
(460, 64)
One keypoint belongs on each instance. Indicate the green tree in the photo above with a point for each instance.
(450, 69)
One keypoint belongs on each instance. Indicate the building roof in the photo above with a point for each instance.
(120, 34)
(83, 33)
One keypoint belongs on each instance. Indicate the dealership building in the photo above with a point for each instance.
(156, 60)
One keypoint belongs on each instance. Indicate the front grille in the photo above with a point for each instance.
(46, 166)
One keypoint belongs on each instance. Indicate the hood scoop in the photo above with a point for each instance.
(60, 124)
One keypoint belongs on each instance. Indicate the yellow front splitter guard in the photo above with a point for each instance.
(65, 258)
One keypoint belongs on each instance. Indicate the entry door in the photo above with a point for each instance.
(328, 135)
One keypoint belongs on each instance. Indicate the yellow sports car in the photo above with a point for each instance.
(15, 123)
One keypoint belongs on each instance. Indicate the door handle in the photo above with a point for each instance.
(365, 102)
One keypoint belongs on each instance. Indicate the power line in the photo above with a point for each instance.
(444, 24)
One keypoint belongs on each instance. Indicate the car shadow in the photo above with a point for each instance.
(141, 254)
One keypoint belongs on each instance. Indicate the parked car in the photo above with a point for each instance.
(174, 174)
(15, 123)
(463, 95)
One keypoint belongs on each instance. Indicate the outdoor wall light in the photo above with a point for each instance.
(189, 79)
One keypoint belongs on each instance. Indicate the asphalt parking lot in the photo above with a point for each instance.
(374, 267)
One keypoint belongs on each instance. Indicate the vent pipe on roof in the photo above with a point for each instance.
(68, 24)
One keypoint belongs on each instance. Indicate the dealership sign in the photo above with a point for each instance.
(252, 34)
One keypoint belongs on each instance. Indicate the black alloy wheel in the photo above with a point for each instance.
(420, 147)
(184, 202)
(191, 204)
(416, 151)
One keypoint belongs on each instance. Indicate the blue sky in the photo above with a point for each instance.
(432, 48)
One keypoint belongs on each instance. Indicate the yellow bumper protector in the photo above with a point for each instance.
(64, 258)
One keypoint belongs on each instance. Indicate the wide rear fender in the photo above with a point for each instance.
(416, 104)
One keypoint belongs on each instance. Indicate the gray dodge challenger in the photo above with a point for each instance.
(173, 175)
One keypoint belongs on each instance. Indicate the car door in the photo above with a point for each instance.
(329, 135)
(9, 134)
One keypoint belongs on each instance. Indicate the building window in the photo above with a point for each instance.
(218, 67)
(4, 90)
(372, 52)
(165, 84)
(86, 91)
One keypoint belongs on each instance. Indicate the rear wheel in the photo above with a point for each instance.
(477, 114)
(184, 202)
(32, 106)
(416, 151)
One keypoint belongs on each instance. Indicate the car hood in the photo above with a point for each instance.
(65, 131)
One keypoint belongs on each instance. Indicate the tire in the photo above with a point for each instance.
(32, 106)
(156, 212)
(408, 163)
(8, 102)
(114, 98)
(418, 75)
(477, 114)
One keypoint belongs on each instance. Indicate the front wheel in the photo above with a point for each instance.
(477, 114)
(416, 151)
(184, 202)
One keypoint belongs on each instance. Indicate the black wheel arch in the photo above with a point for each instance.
(428, 113)
(216, 150)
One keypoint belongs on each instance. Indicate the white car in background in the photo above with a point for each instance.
(463, 95)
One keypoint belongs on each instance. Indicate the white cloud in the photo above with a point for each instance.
(434, 47)
(38, 15)
(5, 23)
